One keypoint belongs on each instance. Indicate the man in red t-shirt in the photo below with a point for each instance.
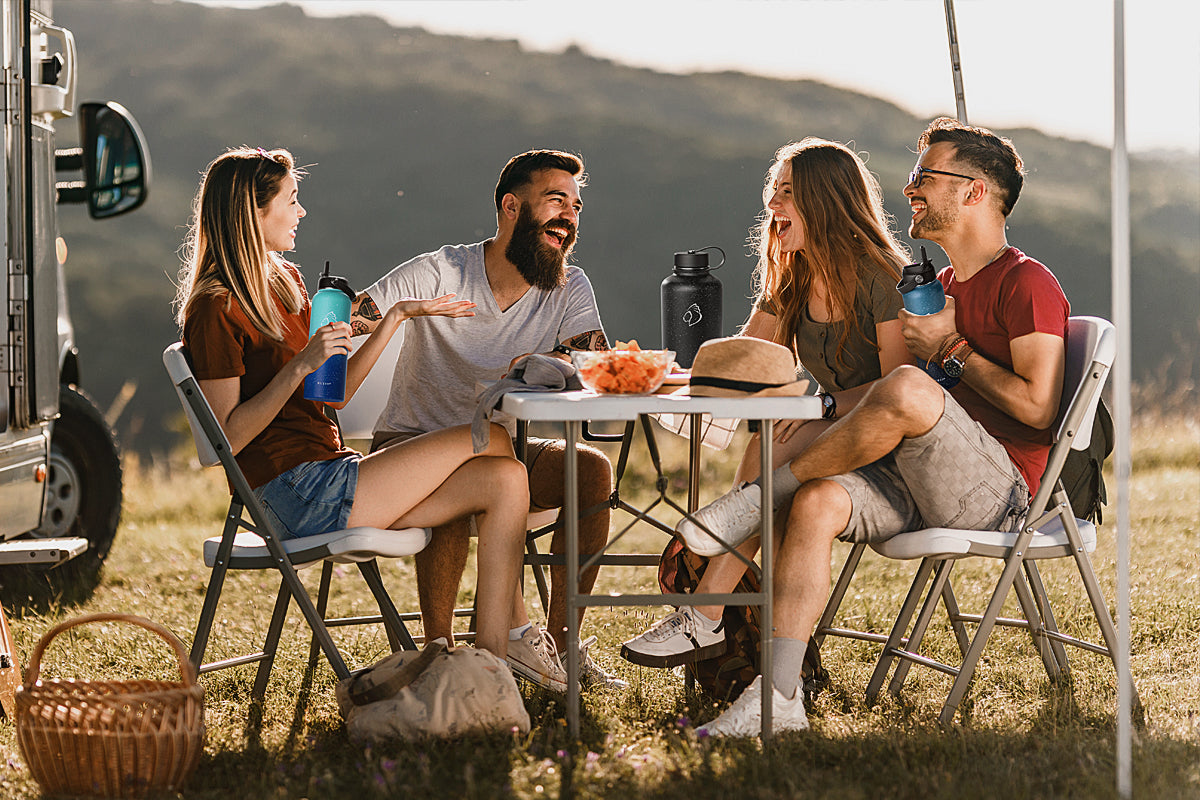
(912, 454)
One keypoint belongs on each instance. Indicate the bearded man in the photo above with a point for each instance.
(528, 300)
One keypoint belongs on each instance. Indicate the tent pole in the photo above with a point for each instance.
(960, 97)
(1122, 400)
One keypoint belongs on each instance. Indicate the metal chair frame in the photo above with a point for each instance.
(267, 551)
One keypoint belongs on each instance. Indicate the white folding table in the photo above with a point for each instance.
(572, 409)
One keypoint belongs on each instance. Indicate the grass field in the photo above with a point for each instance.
(1016, 736)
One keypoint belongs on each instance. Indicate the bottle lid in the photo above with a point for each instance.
(328, 281)
(917, 274)
(691, 259)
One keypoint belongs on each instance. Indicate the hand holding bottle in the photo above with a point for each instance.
(327, 341)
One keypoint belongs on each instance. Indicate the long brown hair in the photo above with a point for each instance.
(841, 208)
(225, 251)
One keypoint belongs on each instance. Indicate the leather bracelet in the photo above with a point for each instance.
(948, 347)
(561, 348)
(954, 348)
(941, 348)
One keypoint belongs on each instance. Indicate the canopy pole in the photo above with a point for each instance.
(1122, 399)
(960, 97)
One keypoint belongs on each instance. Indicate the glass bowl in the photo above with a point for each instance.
(622, 371)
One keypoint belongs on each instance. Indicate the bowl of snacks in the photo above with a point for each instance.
(626, 369)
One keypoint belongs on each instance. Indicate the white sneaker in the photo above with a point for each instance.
(732, 518)
(535, 658)
(681, 637)
(744, 717)
(591, 674)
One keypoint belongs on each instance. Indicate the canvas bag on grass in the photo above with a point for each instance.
(432, 693)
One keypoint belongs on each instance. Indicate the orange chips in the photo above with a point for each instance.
(627, 369)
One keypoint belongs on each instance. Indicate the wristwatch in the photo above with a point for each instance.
(955, 359)
(828, 405)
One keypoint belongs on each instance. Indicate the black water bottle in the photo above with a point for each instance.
(691, 305)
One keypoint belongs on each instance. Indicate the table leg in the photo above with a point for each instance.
(766, 438)
(694, 436)
(571, 507)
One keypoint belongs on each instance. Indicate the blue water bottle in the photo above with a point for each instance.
(923, 294)
(331, 303)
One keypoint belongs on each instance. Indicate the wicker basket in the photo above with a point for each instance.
(110, 738)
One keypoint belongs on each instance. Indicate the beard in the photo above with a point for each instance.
(542, 265)
(934, 220)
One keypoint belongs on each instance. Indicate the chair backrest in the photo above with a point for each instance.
(1091, 348)
(357, 419)
(209, 438)
(1091, 343)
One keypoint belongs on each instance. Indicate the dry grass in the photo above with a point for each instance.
(1017, 735)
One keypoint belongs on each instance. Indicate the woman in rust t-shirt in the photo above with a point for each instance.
(245, 315)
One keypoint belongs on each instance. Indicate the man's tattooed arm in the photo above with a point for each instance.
(364, 315)
(592, 340)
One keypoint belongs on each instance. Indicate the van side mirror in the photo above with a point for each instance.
(115, 161)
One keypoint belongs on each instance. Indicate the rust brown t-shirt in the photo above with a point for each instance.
(223, 343)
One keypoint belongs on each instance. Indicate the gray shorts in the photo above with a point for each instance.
(955, 476)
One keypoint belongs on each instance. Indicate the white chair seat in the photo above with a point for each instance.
(345, 546)
(1050, 542)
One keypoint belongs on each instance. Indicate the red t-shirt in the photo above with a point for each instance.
(1009, 298)
(223, 343)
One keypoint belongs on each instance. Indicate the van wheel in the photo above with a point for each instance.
(84, 485)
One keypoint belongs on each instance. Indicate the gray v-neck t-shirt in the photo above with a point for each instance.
(442, 359)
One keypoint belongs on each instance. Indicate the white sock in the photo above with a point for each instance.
(518, 632)
(709, 625)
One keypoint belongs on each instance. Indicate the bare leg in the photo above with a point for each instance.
(495, 490)
(546, 491)
(820, 511)
(439, 571)
(904, 404)
(435, 478)
(724, 571)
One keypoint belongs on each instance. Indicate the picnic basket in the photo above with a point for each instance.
(110, 738)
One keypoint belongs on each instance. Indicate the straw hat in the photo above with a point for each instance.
(742, 366)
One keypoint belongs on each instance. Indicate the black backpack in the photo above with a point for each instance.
(1082, 474)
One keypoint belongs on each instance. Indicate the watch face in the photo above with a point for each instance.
(953, 368)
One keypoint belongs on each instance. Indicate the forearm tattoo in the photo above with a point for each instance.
(364, 315)
(592, 340)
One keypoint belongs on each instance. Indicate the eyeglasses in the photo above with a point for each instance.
(918, 175)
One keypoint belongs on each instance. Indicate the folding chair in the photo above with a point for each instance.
(1049, 530)
(253, 543)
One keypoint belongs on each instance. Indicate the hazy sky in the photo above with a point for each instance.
(1042, 63)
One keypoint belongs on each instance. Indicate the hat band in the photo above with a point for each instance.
(726, 383)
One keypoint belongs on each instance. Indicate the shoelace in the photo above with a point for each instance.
(544, 646)
(731, 509)
(670, 625)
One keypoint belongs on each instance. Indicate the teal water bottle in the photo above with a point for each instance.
(923, 294)
(331, 303)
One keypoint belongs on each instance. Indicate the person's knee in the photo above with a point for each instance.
(595, 473)
(909, 395)
(820, 509)
(509, 481)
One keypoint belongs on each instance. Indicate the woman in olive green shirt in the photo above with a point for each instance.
(826, 279)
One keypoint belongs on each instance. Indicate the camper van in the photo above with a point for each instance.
(60, 467)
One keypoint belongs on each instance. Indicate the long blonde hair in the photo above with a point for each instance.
(841, 208)
(225, 251)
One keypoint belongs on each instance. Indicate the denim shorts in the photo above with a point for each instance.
(955, 476)
(313, 497)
